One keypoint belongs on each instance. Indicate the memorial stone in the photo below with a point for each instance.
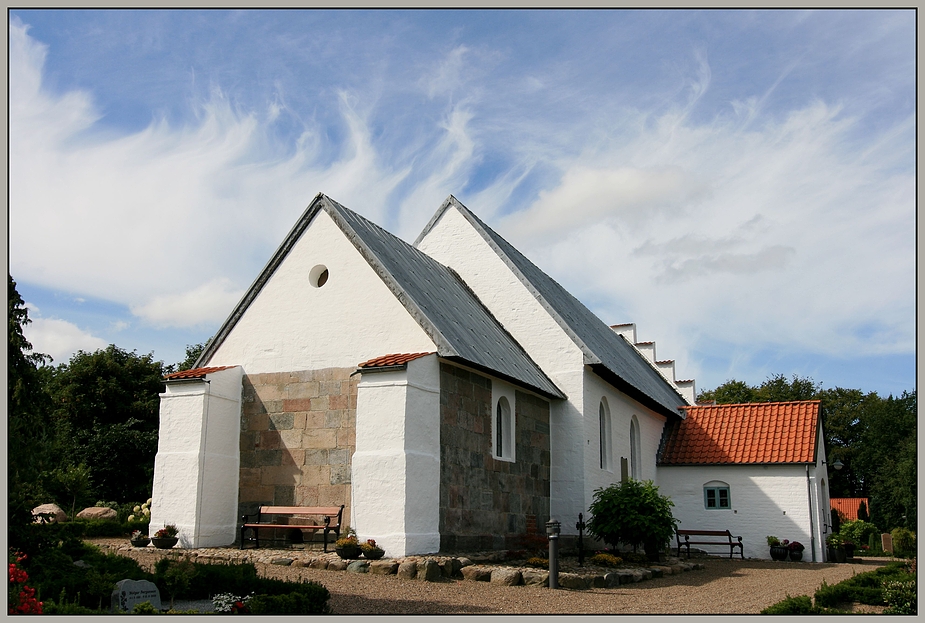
(128, 593)
(886, 540)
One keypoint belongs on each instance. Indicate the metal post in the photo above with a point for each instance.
(552, 531)
(580, 526)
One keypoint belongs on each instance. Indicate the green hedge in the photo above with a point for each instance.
(307, 600)
(792, 605)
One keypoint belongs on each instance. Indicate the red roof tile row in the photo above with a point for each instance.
(769, 432)
(195, 373)
(392, 360)
(848, 507)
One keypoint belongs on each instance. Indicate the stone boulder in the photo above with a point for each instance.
(429, 571)
(506, 577)
(383, 567)
(318, 563)
(476, 573)
(451, 568)
(358, 566)
(573, 580)
(98, 512)
(58, 515)
(337, 565)
(408, 570)
(535, 577)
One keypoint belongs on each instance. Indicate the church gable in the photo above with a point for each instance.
(320, 305)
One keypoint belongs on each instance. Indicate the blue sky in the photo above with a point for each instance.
(740, 184)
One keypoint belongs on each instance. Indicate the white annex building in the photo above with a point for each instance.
(455, 397)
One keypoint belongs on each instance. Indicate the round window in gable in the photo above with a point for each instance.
(318, 276)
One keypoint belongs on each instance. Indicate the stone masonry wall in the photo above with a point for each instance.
(486, 503)
(298, 435)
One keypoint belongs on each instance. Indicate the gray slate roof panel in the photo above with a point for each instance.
(602, 346)
(460, 325)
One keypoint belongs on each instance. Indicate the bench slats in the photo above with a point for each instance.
(732, 545)
(332, 516)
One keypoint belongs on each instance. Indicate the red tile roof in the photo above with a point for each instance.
(848, 507)
(392, 360)
(764, 432)
(195, 373)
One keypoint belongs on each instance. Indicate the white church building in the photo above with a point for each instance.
(454, 397)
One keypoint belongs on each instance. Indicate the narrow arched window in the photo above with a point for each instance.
(634, 449)
(504, 430)
(606, 437)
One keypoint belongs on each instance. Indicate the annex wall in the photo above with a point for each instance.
(487, 503)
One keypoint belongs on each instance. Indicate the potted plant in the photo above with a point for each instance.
(139, 539)
(836, 551)
(348, 547)
(795, 549)
(848, 544)
(371, 551)
(166, 537)
(778, 551)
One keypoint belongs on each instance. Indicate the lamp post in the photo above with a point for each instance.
(580, 526)
(552, 531)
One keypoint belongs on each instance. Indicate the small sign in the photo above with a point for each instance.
(131, 592)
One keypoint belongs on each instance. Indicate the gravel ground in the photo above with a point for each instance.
(723, 587)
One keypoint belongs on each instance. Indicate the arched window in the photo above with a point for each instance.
(606, 436)
(504, 430)
(635, 469)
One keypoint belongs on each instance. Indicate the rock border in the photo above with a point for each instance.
(477, 567)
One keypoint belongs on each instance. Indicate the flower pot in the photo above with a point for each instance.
(779, 552)
(348, 552)
(849, 550)
(796, 556)
(141, 542)
(165, 542)
(840, 554)
(373, 554)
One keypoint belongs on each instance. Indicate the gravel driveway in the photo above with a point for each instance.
(723, 587)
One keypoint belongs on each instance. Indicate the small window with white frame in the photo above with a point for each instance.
(716, 496)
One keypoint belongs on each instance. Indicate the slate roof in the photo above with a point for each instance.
(753, 433)
(446, 309)
(387, 361)
(195, 373)
(608, 353)
(848, 507)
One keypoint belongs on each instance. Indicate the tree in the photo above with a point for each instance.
(862, 512)
(634, 513)
(192, 355)
(106, 410)
(27, 430)
(730, 392)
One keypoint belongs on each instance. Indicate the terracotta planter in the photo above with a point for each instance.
(779, 552)
(165, 542)
(796, 556)
(142, 542)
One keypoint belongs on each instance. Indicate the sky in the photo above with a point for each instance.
(739, 184)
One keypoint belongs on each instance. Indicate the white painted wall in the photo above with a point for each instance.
(766, 500)
(453, 242)
(396, 466)
(292, 325)
(622, 409)
(197, 463)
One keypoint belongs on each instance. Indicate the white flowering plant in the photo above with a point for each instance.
(141, 513)
(228, 602)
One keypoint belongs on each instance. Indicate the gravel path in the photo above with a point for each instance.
(723, 587)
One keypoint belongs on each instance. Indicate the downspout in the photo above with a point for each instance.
(812, 528)
(202, 462)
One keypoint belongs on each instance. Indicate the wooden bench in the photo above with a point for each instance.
(330, 519)
(720, 537)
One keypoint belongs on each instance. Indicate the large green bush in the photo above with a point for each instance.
(634, 513)
(903, 541)
(858, 531)
(802, 604)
